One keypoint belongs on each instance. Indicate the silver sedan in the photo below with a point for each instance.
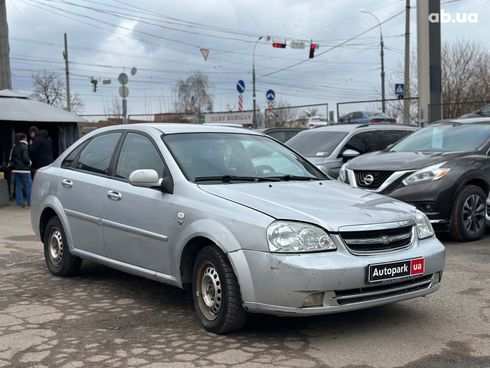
(244, 222)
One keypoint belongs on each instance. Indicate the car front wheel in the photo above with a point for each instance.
(468, 217)
(57, 254)
(216, 293)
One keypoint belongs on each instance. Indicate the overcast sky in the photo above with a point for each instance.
(162, 39)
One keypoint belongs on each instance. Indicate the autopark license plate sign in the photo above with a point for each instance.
(396, 270)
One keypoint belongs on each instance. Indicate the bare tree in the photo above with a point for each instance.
(193, 94)
(312, 111)
(48, 88)
(465, 79)
(113, 107)
(282, 115)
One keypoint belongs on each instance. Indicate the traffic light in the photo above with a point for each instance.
(313, 47)
(94, 84)
(279, 45)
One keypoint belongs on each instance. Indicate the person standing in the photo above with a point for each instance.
(41, 150)
(20, 168)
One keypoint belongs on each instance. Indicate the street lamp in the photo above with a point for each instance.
(253, 83)
(383, 102)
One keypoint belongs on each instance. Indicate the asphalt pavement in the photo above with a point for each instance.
(105, 318)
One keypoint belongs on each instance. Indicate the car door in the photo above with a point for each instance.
(135, 219)
(82, 187)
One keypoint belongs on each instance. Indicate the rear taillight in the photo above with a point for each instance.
(374, 121)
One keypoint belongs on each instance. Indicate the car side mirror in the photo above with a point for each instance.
(167, 184)
(349, 154)
(146, 178)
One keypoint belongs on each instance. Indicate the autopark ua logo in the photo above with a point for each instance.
(445, 17)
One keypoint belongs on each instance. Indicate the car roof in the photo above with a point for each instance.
(173, 128)
(275, 129)
(361, 127)
(463, 121)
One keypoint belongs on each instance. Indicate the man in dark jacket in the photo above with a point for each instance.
(20, 168)
(41, 150)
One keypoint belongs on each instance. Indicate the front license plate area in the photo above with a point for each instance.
(395, 270)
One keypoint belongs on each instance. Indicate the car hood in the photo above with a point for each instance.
(398, 161)
(328, 203)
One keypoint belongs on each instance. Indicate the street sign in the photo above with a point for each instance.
(123, 91)
(205, 53)
(270, 95)
(297, 44)
(399, 89)
(123, 78)
(240, 86)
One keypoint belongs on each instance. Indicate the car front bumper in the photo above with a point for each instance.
(279, 284)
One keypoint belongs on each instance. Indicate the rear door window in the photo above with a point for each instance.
(387, 137)
(363, 142)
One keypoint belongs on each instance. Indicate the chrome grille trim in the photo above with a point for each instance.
(387, 240)
(359, 244)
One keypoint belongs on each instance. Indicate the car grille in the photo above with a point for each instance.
(371, 179)
(351, 296)
(378, 240)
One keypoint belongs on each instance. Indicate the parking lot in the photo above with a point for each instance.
(105, 318)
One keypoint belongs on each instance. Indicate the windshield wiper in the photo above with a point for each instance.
(229, 178)
(295, 177)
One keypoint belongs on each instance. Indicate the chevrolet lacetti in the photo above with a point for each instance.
(243, 221)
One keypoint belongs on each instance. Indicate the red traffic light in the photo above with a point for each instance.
(313, 47)
(279, 45)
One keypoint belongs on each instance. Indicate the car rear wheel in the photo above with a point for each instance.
(468, 217)
(57, 254)
(216, 293)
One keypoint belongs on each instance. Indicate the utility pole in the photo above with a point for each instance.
(381, 44)
(254, 121)
(67, 75)
(406, 101)
(5, 76)
(429, 62)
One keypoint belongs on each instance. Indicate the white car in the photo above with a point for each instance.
(316, 121)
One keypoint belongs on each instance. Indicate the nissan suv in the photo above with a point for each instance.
(443, 170)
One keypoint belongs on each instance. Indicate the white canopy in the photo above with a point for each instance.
(15, 106)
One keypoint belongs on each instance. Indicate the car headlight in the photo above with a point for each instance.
(429, 173)
(343, 173)
(297, 237)
(424, 227)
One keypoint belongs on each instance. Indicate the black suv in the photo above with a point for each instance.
(443, 170)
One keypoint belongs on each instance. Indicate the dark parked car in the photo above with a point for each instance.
(443, 170)
(366, 117)
(330, 147)
(281, 134)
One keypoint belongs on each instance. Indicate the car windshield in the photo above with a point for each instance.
(316, 143)
(232, 157)
(446, 138)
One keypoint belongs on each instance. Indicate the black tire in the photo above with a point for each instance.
(57, 254)
(224, 312)
(468, 216)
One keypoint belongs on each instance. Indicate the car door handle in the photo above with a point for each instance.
(115, 196)
(67, 183)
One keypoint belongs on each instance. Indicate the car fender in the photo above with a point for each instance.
(219, 235)
(52, 202)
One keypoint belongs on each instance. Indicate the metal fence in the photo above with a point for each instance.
(452, 110)
(295, 116)
(394, 108)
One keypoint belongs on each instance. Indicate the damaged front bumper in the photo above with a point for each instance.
(330, 282)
